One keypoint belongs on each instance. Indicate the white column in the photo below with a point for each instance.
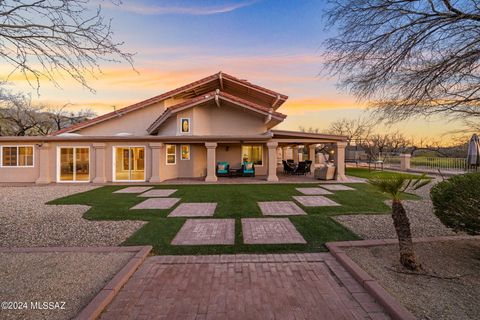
(340, 160)
(405, 161)
(99, 163)
(311, 153)
(211, 161)
(272, 161)
(44, 157)
(156, 148)
(295, 153)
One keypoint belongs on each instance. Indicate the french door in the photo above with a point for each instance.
(73, 164)
(129, 163)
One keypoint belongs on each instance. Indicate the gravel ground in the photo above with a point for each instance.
(25, 220)
(427, 297)
(420, 212)
(72, 277)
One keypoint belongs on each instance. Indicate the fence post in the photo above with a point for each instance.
(405, 161)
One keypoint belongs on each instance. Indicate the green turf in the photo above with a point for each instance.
(365, 173)
(234, 201)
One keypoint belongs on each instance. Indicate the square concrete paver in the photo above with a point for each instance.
(270, 231)
(206, 232)
(157, 203)
(194, 210)
(157, 193)
(336, 187)
(313, 191)
(133, 190)
(280, 208)
(315, 201)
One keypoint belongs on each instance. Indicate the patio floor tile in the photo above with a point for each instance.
(315, 201)
(336, 187)
(270, 231)
(157, 203)
(194, 210)
(280, 208)
(158, 193)
(133, 190)
(206, 232)
(313, 191)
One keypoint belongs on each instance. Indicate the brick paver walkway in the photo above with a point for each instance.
(280, 208)
(206, 232)
(193, 209)
(315, 201)
(313, 191)
(157, 203)
(280, 286)
(133, 190)
(336, 187)
(158, 193)
(270, 231)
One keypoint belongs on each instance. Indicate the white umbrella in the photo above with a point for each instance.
(473, 155)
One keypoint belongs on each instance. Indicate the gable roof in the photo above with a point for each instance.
(209, 97)
(209, 83)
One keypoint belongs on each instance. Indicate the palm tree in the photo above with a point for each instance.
(395, 186)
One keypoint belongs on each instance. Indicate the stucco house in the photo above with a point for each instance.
(182, 133)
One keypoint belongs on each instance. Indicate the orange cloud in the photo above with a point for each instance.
(302, 106)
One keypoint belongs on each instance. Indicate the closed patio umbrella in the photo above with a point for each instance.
(473, 155)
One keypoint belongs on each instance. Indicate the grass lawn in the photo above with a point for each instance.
(233, 201)
(365, 173)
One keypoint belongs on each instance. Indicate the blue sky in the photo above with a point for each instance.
(273, 43)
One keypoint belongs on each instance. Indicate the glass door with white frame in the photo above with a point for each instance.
(74, 164)
(129, 163)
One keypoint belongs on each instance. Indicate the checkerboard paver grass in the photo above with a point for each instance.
(206, 232)
(270, 231)
(336, 187)
(313, 191)
(133, 190)
(280, 208)
(157, 203)
(194, 210)
(315, 201)
(157, 193)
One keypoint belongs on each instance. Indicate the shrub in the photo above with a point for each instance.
(456, 202)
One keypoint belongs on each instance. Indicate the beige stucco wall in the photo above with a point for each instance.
(135, 123)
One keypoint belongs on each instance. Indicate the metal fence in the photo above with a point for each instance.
(430, 163)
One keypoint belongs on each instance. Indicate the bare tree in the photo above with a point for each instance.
(379, 146)
(356, 130)
(61, 117)
(408, 57)
(45, 39)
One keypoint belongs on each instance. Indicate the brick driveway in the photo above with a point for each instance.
(280, 286)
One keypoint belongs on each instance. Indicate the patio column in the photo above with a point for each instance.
(340, 160)
(272, 161)
(99, 163)
(156, 148)
(295, 153)
(311, 153)
(44, 158)
(284, 153)
(211, 161)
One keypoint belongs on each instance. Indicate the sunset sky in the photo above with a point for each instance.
(273, 43)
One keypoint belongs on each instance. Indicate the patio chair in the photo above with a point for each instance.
(223, 169)
(290, 161)
(325, 172)
(301, 169)
(287, 168)
(248, 169)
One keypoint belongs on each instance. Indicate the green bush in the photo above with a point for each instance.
(456, 202)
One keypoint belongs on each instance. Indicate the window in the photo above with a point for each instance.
(171, 154)
(185, 125)
(129, 163)
(185, 152)
(253, 154)
(17, 156)
(74, 164)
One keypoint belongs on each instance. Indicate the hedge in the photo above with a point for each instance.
(456, 202)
